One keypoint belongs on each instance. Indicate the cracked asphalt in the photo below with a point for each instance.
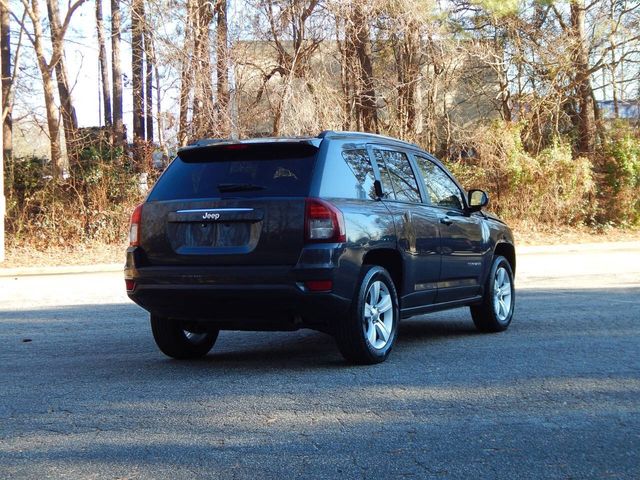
(84, 393)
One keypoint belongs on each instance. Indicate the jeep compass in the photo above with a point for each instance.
(346, 233)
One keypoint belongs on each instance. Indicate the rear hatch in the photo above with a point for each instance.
(230, 204)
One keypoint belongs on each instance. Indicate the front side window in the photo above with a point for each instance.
(442, 191)
(396, 170)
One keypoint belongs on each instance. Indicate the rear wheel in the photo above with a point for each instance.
(495, 312)
(368, 333)
(179, 340)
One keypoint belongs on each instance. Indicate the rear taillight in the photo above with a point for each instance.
(134, 228)
(323, 222)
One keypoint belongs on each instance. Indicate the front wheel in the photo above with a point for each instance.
(495, 312)
(182, 341)
(368, 333)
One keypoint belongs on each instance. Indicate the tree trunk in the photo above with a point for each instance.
(158, 106)
(148, 52)
(5, 54)
(69, 118)
(406, 52)
(614, 79)
(586, 118)
(222, 69)
(186, 76)
(58, 160)
(137, 67)
(366, 103)
(412, 53)
(104, 67)
(203, 108)
(347, 54)
(59, 164)
(500, 68)
(119, 136)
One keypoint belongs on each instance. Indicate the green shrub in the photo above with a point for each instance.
(620, 169)
(551, 188)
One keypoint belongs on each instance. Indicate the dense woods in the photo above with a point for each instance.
(536, 101)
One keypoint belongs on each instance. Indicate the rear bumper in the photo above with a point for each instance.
(238, 298)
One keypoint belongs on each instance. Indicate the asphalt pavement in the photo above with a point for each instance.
(84, 393)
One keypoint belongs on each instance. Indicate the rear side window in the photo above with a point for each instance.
(348, 174)
(395, 167)
(275, 169)
(360, 165)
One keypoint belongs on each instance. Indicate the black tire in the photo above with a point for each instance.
(354, 332)
(176, 340)
(495, 312)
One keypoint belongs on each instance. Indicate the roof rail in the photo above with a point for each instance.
(208, 141)
(324, 133)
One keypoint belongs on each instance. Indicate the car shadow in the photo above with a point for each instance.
(273, 349)
(425, 327)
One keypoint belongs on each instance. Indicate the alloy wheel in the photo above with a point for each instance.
(502, 290)
(378, 315)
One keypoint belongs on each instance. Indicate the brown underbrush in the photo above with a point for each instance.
(550, 196)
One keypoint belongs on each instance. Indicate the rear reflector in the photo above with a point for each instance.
(319, 285)
(131, 285)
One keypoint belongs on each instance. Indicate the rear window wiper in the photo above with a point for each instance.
(238, 187)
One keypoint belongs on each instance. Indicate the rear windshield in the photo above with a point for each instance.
(239, 170)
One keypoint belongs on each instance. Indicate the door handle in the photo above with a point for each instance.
(446, 220)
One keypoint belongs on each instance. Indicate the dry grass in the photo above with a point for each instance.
(19, 256)
(564, 235)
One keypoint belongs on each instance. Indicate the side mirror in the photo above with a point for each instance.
(377, 186)
(477, 200)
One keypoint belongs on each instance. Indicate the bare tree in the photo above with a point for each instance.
(222, 69)
(5, 53)
(104, 67)
(405, 29)
(159, 113)
(286, 28)
(119, 138)
(69, 118)
(137, 68)
(186, 74)
(586, 118)
(196, 77)
(148, 79)
(203, 107)
(46, 66)
(358, 53)
(10, 68)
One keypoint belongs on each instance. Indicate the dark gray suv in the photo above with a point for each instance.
(345, 233)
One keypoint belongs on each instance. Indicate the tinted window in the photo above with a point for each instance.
(442, 191)
(396, 167)
(360, 165)
(254, 170)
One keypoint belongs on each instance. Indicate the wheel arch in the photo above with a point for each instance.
(508, 251)
(391, 261)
